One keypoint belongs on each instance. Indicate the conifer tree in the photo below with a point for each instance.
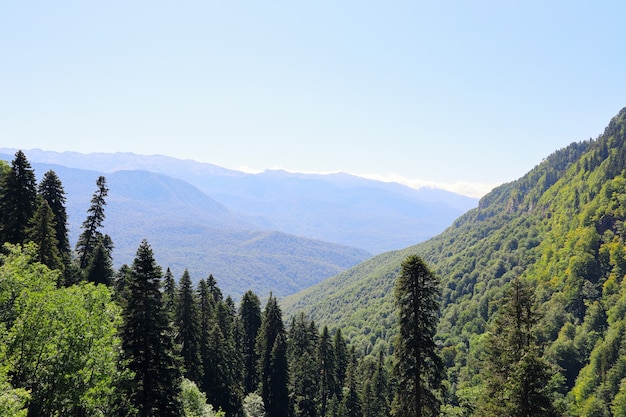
(121, 281)
(170, 290)
(418, 367)
(351, 405)
(100, 267)
(277, 404)
(42, 231)
(326, 369)
(301, 354)
(188, 328)
(515, 376)
(232, 365)
(51, 189)
(18, 200)
(340, 351)
(207, 323)
(272, 328)
(213, 289)
(250, 317)
(379, 401)
(216, 374)
(148, 348)
(91, 233)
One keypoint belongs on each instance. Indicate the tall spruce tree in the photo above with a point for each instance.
(277, 404)
(327, 370)
(379, 401)
(250, 317)
(341, 353)
(301, 353)
(418, 367)
(272, 328)
(147, 343)
(42, 231)
(207, 323)
(91, 233)
(51, 189)
(213, 289)
(188, 328)
(351, 404)
(100, 267)
(18, 200)
(170, 293)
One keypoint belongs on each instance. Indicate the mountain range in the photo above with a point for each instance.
(339, 208)
(273, 231)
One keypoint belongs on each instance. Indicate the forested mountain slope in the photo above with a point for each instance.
(561, 228)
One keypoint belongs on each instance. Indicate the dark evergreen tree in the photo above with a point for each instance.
(121, 285)
(170, 290)
(379, 400)
(351, 405)
(213, 289)
(91, 233)
(207, 324)
(188, 328)
(148, 348)
(216, 370)
(250, 317)
(516, 379)
(18, 200)
(326, 369)
(277, 404)
(226, 319)
(42, 231)
(51, 189)
(418, 367)
(340, 351)
(301, 353)
(272, 328)
(100, 268)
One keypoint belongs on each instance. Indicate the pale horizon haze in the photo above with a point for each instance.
(454, 94)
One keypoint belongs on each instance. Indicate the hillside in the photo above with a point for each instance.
(188, 229)
(561, 228)
(339, 208)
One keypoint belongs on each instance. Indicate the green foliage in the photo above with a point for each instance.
(561, 228)
(60, 343)
(194, 401)
(253, 405)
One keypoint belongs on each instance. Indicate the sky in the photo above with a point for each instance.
(462, 95)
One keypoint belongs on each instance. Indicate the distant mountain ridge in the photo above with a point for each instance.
(189, 230)
(339, 208)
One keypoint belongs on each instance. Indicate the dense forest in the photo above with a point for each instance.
(517, 309)
(558, 231)
(78, 338)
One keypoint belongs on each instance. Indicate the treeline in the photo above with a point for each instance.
(79, 338)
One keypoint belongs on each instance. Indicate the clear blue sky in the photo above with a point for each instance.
(433, 92)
